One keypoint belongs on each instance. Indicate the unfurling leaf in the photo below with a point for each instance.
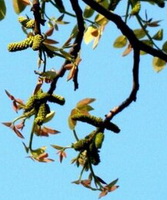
(158, 64)
(62, 154)
(158, 35)
(40, 155)
(84, 102)
(120, 42)
(8, 124)
(140, 33)
(2, 9)
(72, 123)
(88, 12)
(164, 47)
(50, 31)
(127, 50)
(19, 5)
(109, 188)
(57, 147)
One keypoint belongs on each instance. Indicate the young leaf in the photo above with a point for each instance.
(2, 9)
(158, 64)
(57, 147)
(88, 12)
(140, 33)
(120, 42)
(84, 102)
(127, 50)
(101, 20)
(158, 35)
(72, 123)
(50, 41)
(112, 183)
(89, 34)
(19, 6)
(164, 47)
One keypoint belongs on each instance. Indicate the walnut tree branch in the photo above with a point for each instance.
(37, 16)
(135, 88)
(124, 28)
(76, 47)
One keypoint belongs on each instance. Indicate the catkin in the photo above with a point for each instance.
(42, 112)
(27, 23)
(95, 121)
(30, 103)
(56, 99)
(99, 140)
(18, 46)
(37, 42)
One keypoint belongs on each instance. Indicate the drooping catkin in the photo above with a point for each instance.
(42, 112)
(26, 22)
(37, 42)
(18, 46)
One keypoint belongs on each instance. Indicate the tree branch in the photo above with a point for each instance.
(75, 49)
(135, 88)
(37, 16)
(116, 19)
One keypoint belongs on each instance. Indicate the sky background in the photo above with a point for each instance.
(137, 156)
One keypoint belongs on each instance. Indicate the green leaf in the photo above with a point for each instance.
(51, 47)
(158, 35)
(158, 64)
(140, 33)
(18, 6)
(120, 42)
(67, 55)
(84, 102)
(164, 47)
(72, 123)
(2, 9)
(57, 147)
(88, 12)
(112, 183)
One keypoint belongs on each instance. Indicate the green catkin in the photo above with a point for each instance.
(51, 98)
(80, 145)
(42, 112)
(42, 96)
(30, 24)
(18, 46)
(27, 23)
(95, 121)
(38, 39)
(99, 137)
(56, 99)
(28, 114)
(112, 127)
(30, 103)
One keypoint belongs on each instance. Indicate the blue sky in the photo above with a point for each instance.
(137, 156)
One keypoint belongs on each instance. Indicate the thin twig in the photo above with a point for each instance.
(76, 47)
(132, 97)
